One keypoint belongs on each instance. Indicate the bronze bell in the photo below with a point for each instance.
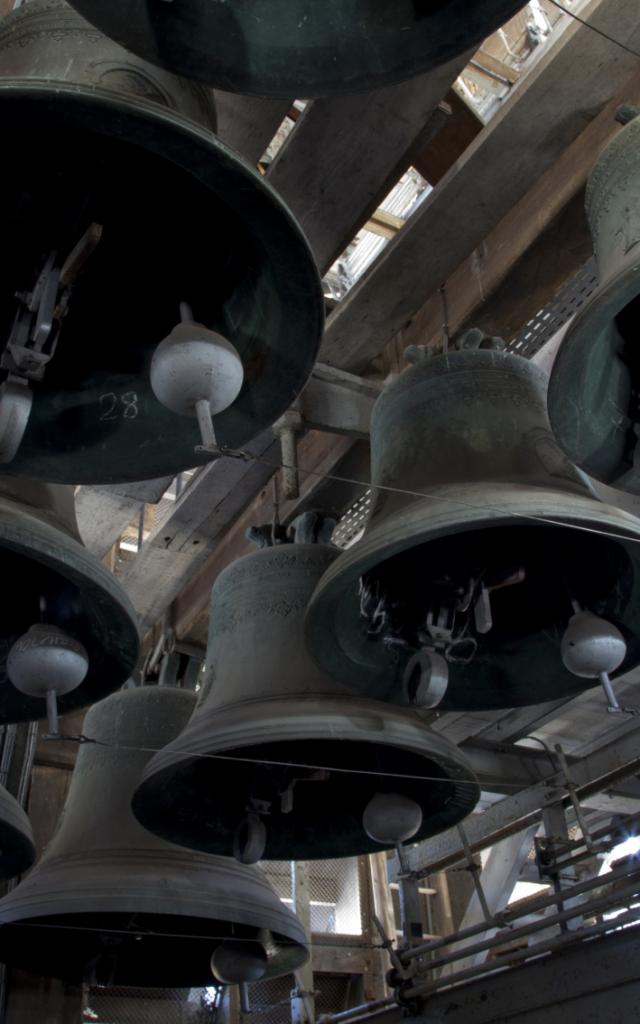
(160, 301)
(482, 540)
(279, 761)
(594, 392)
(109, 903)
(17, 850)
(301, 48)
(59, 600)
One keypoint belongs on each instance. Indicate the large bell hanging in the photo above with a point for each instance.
(57, 596)
(594, 392)
(111, 904)
(17, 849)
(480, 538)
(127, 223)
(301, 758)
(299, 48)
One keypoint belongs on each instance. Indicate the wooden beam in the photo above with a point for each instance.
(102, 518)
(461, 128)
(339, 402)
(534, 249)
(345, 155)
(179, 547)
(248, 123)
(544, 113)
(321, 453)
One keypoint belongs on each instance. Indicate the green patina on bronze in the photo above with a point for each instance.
(594, 394)
(469, 431)
(264, 700)
(94, 135)
(299, 48)
(109, 903)
(49, 573)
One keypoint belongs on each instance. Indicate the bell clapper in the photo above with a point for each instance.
(391, 819)
(453, 624)
(593, 648)
(46, 662)
(426, 678)
(196, 372)
(250, 837)
(239, 962)
(34, 336)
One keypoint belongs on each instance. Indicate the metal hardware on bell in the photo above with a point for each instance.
(68, 634)
(110, 904)
(145, 253)
(311, 757)
(481, 533)
(594, 391)
(17, 849)
(300, 48)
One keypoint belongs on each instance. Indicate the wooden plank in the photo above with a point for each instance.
(544, 113)
(347, 153)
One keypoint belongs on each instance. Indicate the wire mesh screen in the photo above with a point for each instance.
(150, 1006)
(270, 1001)
(334, 891)
(549, 320)
(352, 522)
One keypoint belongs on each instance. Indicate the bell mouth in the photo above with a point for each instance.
(313, 784)
(55, 579)
(595, 381)
(417, 568)
(301, 48)
(178, 214)
(141, 950)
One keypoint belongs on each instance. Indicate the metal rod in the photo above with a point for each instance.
(245, 1002)
(8, 747)
(580, 910)
(584, 828)
(612, 700)
(205, 423)
(473, 868)
(522, 954)
(52, 712)
(508, 915)
(289, 450)
(357, 1011)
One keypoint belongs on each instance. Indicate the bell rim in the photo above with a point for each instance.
(293, 82)
(289, 255)
(406, 529)
(100, 896)
(17, 847)
(40, 541)
(313, 717)
(602, 306)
